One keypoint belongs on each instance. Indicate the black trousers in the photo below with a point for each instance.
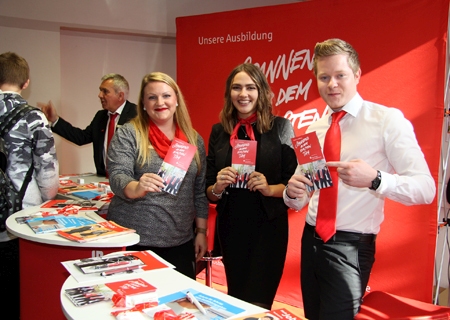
(334, 275)
(182, 256)
(10, 278)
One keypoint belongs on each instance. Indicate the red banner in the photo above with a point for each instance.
(402, 48)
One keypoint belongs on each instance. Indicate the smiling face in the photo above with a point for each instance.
(244, 95)
(336, 81)
(160, 102)
(109, 98)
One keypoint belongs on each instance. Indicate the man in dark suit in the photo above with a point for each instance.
(113, 96)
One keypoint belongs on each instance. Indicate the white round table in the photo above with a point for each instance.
(41, 271)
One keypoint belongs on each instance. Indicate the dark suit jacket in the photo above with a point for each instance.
(274, 159)
(94, 132)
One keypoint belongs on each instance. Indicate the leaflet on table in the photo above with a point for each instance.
(82, 204)
(56, 222)
(175, 165)
(124, 294)
(87, 195)
(277, 314)
(178, 302)
(97, 231)
(72, 187)
(243, 159)
(311, 161)
(93, 267)
(69, 210)
(68, 175)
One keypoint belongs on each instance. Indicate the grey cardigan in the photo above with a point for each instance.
(161, 219)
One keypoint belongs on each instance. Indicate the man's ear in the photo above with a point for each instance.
(25, 85)
(122, 96)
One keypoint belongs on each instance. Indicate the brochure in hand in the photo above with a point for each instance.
(311, 161)
(175, 165)
(198, 304)
(96, 231)
(56, 222)
(243, 159)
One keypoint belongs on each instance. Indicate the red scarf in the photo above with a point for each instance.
(248, 128)
(159, 140)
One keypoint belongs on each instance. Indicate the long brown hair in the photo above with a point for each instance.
(228, 115)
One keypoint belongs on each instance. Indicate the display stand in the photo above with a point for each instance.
(41, 271)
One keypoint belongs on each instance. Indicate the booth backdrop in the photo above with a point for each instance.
(402, 48)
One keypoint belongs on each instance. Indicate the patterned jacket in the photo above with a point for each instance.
(30, 142)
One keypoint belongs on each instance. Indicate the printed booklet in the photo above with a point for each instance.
(180, 304)
(176, 164)
(93, 268)
(73, 187)
(278, 314)
(243, 159)
(100, 230)
(311, 161)
(82, 204)
(123, 294)
(54, 223)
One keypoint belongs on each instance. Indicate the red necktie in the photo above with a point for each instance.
(111, 126)
(326, 213)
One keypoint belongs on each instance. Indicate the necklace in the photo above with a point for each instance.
(243, 130)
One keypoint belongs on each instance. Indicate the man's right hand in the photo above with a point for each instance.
(49, 110)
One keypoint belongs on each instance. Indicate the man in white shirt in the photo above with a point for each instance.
(379, 158)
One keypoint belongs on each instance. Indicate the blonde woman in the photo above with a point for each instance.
(165, 222)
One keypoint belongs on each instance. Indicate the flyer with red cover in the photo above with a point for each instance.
(175, 164)
(243, 159)
(311, 160)
(133, 292)
(100, 230)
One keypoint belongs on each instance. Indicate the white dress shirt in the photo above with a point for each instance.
(385, 139)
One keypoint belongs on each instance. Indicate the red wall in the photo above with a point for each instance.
(402, 46)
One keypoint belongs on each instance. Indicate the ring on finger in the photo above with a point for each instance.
(257, 178)
(222, 177)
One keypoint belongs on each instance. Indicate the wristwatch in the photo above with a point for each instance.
(376, 182)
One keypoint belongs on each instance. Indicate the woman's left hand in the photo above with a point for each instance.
(201, 246)
(257, 181)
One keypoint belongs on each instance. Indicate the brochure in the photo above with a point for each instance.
(93, 268)
(180, 303)
(56, 222)
(175, 165)
(82, 204)
(123, 294)
(92, 232)
(311, 161)
(243, 159)
(278, 314)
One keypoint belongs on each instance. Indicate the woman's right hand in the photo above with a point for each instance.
(225, 177)
(150, 182)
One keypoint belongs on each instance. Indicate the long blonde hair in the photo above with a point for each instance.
(181, 118)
